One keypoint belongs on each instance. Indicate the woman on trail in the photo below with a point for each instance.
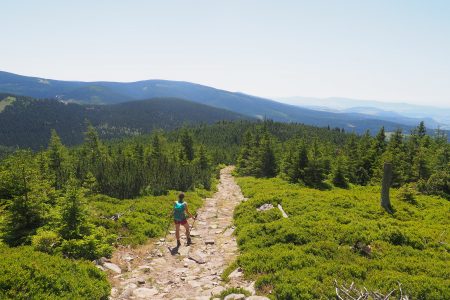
(180, 209)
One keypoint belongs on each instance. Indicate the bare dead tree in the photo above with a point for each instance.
(385, 187)
(353, 293)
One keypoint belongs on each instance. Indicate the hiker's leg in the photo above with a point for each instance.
(186, 225)
(177, 231)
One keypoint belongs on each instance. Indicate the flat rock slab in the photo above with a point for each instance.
(235, 297)
(257, 298)
(113, 267)
(198, 256)
(160, 261)
(236, 273)
(145, 293)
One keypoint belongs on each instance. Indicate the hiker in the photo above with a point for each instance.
(180, 209)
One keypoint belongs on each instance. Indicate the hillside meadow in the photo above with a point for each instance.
(324, 238)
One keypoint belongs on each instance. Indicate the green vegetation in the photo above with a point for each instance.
(345, 235)
(317, 160)
(5, 102)
(231, 291)
(79, 203)
(27, 274)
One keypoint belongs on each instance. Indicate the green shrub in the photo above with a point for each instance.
(89, 247)
(232, 290)
(407, 193)
(27, 274)
(439, 184)
(45, 241)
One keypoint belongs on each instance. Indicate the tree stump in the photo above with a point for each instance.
(385, 187)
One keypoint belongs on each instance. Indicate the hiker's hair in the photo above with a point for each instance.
(181, 197)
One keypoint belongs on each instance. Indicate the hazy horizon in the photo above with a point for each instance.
(383, 51)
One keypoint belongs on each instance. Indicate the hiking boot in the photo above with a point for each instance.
(178, 243)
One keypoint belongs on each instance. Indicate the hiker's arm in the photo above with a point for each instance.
(187, 211)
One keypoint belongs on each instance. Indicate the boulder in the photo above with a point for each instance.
(264, 207)
(128, 291)
(194, 233)
(145, 293)
(235, 297)
(198, 257)
(113, 267)
(217, 290)
(236, 273)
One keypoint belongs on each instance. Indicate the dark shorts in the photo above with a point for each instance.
(180, 222)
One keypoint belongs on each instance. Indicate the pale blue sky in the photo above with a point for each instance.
(381, 50)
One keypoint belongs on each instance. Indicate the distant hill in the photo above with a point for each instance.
(402, 113)
(116, 92)
(27, 122)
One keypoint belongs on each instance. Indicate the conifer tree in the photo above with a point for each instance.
(339, 174)
(245, 154)
(268, 164)
(315, 172)
(187, 146)
(421, 130)
(57, 155)
(30, 196)
(74, 224)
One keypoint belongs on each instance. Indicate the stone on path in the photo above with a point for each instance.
(209, 242)
(236, 273)
(217, 290)
(113, 267)
(257, 298)
(159, 260)
(198, 256)
(235, 297)
(194, 233)
(145, 293)
(128, 291)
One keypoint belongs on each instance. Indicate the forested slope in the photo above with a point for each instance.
(27, 122)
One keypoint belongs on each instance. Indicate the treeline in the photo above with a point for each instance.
(317, 162)
(44, 195)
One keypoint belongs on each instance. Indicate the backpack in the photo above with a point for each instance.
(179, 209)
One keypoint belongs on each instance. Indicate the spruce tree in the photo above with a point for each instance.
(74, 223)
(57, 155)
(187, 146)
(339, 175)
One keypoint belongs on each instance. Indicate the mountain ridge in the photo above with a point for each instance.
(104, 92)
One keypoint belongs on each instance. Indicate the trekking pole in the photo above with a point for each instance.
(195, 219)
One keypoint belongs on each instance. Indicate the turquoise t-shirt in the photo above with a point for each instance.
(179, 211)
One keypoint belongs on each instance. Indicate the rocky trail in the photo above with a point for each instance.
(194, 272)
